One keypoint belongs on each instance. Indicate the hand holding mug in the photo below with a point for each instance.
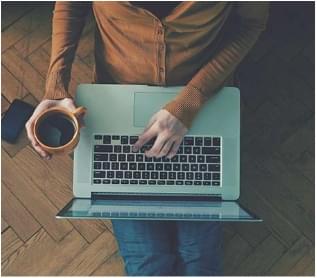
(52, 119)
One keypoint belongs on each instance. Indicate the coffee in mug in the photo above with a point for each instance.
(57, 129)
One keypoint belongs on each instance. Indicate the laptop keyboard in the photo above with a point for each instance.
(197, 162)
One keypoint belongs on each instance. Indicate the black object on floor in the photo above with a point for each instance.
(14, 120)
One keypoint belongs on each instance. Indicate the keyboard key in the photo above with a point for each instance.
(216, 141)
(115, 181)
(180, 150)
(145, 175)
(119, 174)
(133, 139)
(117, 149)
(188, 182)
(124, 140)
(198, 176)
(126, 149)
(167, 167)
(139, 157)
(128, 174)
(216, 176)
(188, 141)
(157, 159)
(123, 166)
(196, 150)
(161, 182)
(133, 182)
(114, 165)
(203, 167)
(106, 165)
(130, 157)
(152, 182)
(101, 157)
(148, 159)
(206, 182)
(183, 158)
(110, 174)
(97, 165)
(132, 166)
(103, 148)
(197, 182)
(142, 182)
(207, 141)
(99, 174)
(192, 158)
(185, 167)
(165, 159)
(113, 157)
(188, 150)
(159, 167)
(115, 137)
(137, 175)
(141, 166)
(150, 166)
(96, 181)
(198, 141)
(106, 181)
(210, 150)
(179, 182)
(163, 175)
(180, 175)
(213, 167)
(216, 183)
(170, 182)
(124, 181)
(175, 158)
(98, 137)
(207, 176)
(106, 139)
(194, 167)
(176, 167)
(154, 175)
(201, 159)
(172, 175)
(213, 159)
(189, 176)
(122, 157)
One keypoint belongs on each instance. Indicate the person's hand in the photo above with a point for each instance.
(169, 133)
(67, 103)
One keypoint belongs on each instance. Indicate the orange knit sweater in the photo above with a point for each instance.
(198, 45)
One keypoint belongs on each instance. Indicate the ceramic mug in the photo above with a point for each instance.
(57, 129)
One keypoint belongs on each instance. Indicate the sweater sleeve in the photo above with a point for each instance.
(68, 22)
(249, 21)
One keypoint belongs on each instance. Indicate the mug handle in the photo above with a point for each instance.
(79, 111)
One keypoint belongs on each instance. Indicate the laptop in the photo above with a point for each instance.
(110, 181)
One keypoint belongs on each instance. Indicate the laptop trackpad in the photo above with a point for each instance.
(146, 104)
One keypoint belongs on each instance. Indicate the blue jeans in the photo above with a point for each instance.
(170, 248)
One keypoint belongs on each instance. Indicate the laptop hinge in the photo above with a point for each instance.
(154, 197)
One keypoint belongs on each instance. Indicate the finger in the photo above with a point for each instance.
(29, 132)
(144, 138)
(166, 148)
(41, 152)
(156, 148)
(174, 149)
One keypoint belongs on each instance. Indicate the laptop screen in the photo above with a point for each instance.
(165, 209)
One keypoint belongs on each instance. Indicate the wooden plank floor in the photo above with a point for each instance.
(277, 163)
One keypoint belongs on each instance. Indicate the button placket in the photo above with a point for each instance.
(161, 55)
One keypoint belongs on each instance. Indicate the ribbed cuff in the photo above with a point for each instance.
(186, 105)
(56, 85)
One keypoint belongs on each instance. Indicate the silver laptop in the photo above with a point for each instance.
(201, 182)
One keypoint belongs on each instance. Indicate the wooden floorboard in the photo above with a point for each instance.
(277, 83)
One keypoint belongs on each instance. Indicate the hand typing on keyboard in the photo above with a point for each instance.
(168, 131)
